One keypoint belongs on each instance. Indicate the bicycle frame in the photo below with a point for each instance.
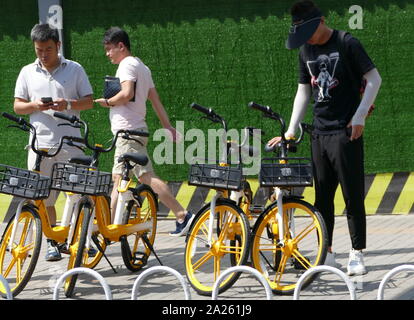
(114, 231)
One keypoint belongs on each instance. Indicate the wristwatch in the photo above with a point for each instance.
(69, 105)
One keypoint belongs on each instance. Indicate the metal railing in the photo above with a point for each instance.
(159, 269)
(318, 269)
(387, 277)
(247, 269)
(81, 270)
(6, 287)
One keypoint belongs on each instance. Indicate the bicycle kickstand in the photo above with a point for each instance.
(95, 240)
(149, 245)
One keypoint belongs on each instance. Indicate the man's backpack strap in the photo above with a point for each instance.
(356, 82)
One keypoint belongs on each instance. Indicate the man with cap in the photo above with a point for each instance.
(332, 70)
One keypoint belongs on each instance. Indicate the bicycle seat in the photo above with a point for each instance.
(84, 160)
(134, 157)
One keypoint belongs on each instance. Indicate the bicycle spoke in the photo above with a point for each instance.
(281, 269)
(10, 267)
(19, 271)
(24, 231)
(269, 247)
(202, 260)
(223, 232)
(299, 257)
(237, 250)
(216, 267)
(204, 230)
(304, 233)
(27, 248)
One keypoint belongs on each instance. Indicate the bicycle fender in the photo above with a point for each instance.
(292, 197)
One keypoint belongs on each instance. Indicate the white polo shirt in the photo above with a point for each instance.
(132, 114)
(67, 81)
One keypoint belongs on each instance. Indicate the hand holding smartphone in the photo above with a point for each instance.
(46, 100)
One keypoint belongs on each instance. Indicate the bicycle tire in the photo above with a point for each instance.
(92, 262)
(77, 247)
(29, 223)
(304, 250)
(200, 259)
(133, 245)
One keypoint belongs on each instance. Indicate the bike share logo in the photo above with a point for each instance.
(286, 172)
(214, 173)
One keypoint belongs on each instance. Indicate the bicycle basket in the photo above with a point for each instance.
(23, 183)
(295, 172)
(81, 179)
(215, 176)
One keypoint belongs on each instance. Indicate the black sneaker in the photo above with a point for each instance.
(182, 228)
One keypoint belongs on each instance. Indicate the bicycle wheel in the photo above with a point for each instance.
(229, 246)
(95, 255)
(135, 251)
(17, 265)
(305, 244)
(78, 252)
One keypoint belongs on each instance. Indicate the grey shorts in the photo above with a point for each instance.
(47, 164)
(123, 146)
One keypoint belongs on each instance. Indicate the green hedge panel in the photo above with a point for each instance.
(221, 54)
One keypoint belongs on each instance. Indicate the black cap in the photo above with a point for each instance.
(303, 27)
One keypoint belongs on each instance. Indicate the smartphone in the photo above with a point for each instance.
(46, 100)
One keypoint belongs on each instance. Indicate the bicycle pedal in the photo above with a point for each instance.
(143, 258)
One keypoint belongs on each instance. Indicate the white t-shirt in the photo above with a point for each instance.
(68, 81)
(132, 114)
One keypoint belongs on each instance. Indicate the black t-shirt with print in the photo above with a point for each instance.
(336, 99)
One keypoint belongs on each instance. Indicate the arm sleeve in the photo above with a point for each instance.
(300, 105)
(371, 90)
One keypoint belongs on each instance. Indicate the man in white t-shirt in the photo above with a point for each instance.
(128, 110)
(66, 82)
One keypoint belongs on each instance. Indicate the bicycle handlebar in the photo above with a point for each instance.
(71, 118)
(11, 117)
(96, 148)
(207, 112)
(269, 113)
(26, 126)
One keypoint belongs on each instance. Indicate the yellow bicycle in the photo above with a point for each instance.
(21, 241)
(219, 236)
(290, 235)
(135, 222)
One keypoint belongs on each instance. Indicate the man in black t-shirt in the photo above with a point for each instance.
(331, 70)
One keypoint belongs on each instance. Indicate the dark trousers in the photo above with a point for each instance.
(335, 160)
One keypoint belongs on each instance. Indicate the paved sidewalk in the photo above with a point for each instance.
(390, 244)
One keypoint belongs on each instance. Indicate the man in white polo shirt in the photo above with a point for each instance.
(66, 82)
(137, 85)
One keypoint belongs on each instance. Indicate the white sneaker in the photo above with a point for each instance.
(330, 260)
(356, 263)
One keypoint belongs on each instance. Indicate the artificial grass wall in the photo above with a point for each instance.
(221, 54)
